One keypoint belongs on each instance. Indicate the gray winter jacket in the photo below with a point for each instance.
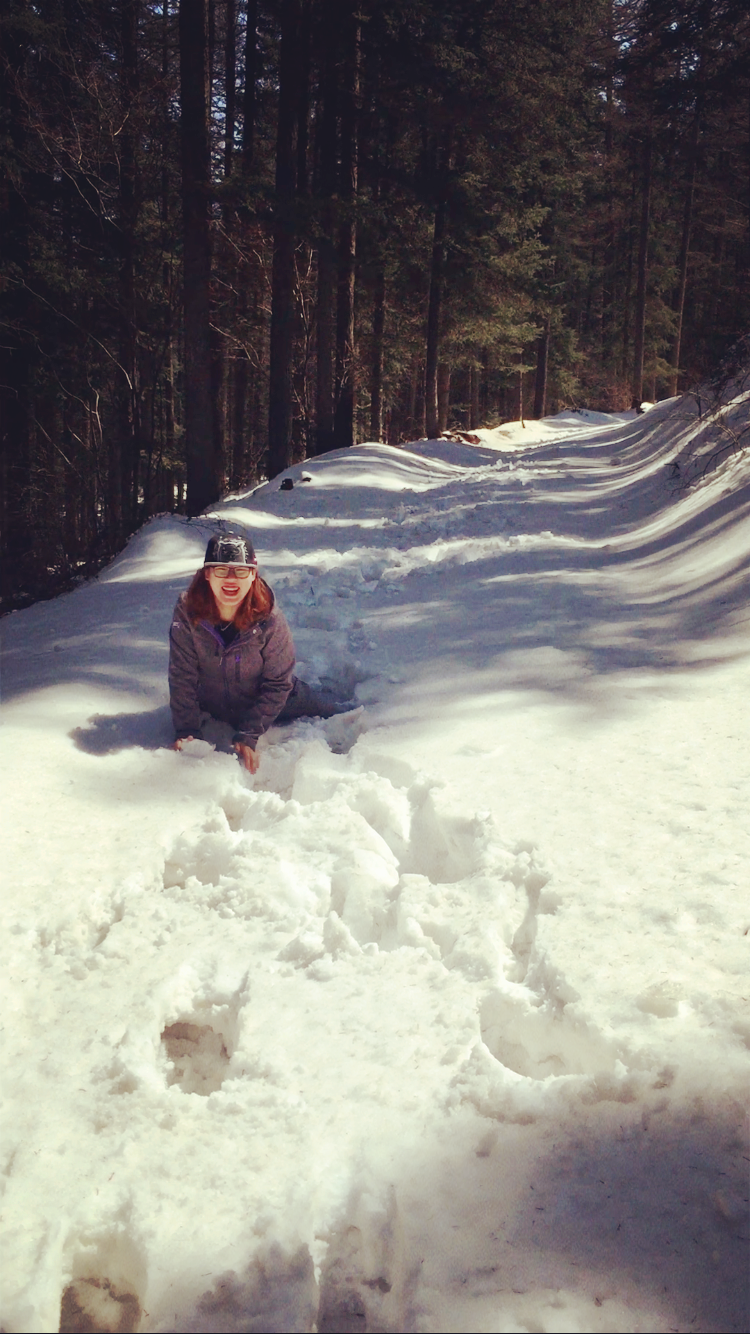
(246, 684)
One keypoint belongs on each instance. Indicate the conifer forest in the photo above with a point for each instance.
(238, 233)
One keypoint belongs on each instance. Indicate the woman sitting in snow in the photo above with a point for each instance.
(231, 654)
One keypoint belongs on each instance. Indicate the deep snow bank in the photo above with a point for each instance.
(440, 1022)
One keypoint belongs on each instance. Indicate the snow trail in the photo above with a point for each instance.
(439, 1022)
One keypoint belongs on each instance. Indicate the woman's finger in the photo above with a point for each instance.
(247, 757)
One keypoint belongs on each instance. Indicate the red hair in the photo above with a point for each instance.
(201, 603)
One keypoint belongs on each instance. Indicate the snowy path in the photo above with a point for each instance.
(440, 1022)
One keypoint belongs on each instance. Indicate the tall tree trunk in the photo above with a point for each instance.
(169, 419)
(302, 430)
(15, 457)
(378, 331)
(628, 292)
(484, 384)
(346, 388)
(411, 418)
(230, 85)
(303, 98)
(432, 416)
(610, 246)
(129, 396)
(640, 300)
(240, 364)
(211, 52)
(239, 413)
(443, 395)
(678, 301)
(16, 358)
(203, 481)
(282, 280)
(218, 395)
(325, 319)
(224, 362)
(251, 76)
(379, 198)
(745, 246)
(540, 382)
(420, 407)
(168, 447)
(473, 397)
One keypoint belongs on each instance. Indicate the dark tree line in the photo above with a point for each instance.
(238, 233)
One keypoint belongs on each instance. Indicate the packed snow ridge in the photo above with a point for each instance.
(440, 1021)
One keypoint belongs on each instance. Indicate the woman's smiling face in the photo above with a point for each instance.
(230, 584)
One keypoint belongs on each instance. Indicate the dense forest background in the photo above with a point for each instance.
(238, 233)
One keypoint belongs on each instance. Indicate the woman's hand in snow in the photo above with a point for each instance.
(180, 742)
(247, 757)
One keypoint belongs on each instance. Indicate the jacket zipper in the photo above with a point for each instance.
(225, 650)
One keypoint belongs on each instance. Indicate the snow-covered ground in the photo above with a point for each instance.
(440, 1022)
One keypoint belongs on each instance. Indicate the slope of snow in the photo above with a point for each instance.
(440, 1022)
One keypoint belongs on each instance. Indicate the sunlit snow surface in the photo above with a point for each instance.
(439, 1023)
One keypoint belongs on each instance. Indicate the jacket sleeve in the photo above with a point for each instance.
(183, 676)
(276, 684)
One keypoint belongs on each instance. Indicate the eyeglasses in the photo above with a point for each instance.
(237, 571)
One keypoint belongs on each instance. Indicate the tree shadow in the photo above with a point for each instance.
(557, 625)
(106, 734)
(661, 1206)
(616, 1217)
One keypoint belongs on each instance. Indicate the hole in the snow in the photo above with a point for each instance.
(444, 847)
(198, 1057)
(92, 1305)
(342, 1314)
